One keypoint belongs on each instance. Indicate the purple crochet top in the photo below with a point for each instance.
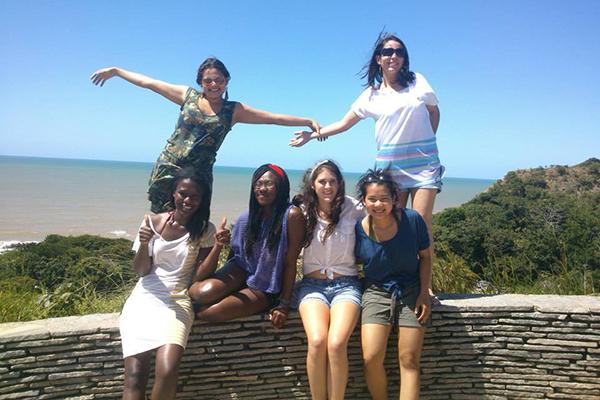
(265, 268)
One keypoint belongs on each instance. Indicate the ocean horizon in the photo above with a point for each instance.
(45, 196)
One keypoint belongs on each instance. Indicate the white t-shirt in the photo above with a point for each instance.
(403, 133)
(336, 254)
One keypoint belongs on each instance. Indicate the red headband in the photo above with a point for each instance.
(276, 169)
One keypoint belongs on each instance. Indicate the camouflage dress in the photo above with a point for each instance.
(195, 142)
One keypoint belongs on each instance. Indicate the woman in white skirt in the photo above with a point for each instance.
(172, 249)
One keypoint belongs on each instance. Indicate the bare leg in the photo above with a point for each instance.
(137, 368)
(344, 315)
(410, 345)
(374, 338)
(422, 202)
(168, 358)
(315, 318)
(403, 199)
(237, 305)
(225, 281)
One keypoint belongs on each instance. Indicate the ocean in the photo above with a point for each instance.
(42, 196)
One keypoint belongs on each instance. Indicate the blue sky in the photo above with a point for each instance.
(517, 80)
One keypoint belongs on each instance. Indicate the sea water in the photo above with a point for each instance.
(41, 196)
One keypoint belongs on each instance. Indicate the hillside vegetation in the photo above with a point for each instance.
(535, 231)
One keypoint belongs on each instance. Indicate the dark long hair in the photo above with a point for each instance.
(255, 215)
(213, 62)
(378, 177)
(198, 222)
(309, 199)
(372, 70)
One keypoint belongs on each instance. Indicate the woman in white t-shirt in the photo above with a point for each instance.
(406, 116)
(330, 292)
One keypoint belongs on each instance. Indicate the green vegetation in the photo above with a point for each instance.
(535, 231)
(65, 276)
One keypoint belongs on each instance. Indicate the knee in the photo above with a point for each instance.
(317, 345)
(409, 361)
(166, 372)
(337, 347)
(202, 292)
(372, 360)
(135, 378)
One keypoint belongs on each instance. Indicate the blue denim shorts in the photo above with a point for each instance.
(330, 291)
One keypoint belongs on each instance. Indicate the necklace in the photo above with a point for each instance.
(372, 226)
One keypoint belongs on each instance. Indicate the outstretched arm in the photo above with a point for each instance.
(295, 233)
(175, 93)
(248, 115)
(302, 137)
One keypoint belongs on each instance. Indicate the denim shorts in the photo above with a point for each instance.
(330, 291)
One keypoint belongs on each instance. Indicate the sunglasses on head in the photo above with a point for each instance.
(388, 51)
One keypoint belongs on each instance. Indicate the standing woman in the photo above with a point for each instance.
(406, 114)
(205, 119)
(265, 245)
(394, 247)
(330, 292)
(172, 248)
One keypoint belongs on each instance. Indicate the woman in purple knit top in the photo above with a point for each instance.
(261, 268)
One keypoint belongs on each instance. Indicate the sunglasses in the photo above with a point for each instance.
(208, 81)
(388, 51)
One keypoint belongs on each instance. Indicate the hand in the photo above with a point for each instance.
(223, 235)
(102, 75)
(423, 307)
(145, 233)
(301, 137)
(278, 316)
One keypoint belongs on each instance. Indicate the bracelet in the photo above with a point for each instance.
(284, 303)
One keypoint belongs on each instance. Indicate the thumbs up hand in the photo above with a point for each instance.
(145, 233)
(223, 235)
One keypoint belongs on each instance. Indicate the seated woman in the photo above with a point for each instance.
(330, 291)
(394, 246)
(171, 247)
(261, 268)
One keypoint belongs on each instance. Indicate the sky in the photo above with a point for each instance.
(516, 79)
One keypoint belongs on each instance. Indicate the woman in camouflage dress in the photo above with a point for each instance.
(205, 119)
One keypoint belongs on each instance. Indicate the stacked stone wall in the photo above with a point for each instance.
(479, 347)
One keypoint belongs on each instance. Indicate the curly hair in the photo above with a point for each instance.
(378, 177)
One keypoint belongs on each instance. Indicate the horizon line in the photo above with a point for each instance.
(216, 165)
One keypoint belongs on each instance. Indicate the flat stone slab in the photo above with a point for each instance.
(46, 328)
(520, 302)
(450, 303)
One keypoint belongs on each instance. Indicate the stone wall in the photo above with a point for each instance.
(480, 347)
